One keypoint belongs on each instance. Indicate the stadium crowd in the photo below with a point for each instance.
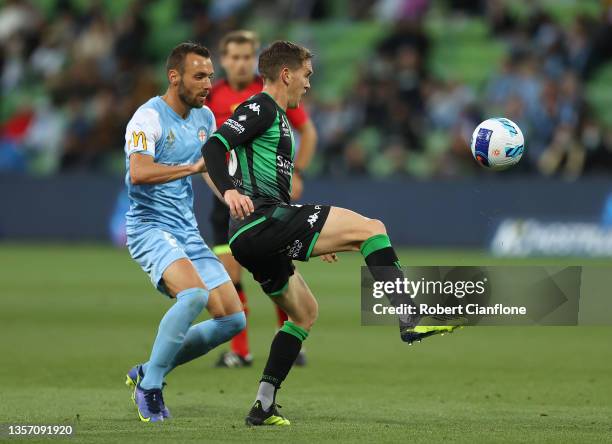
(71, 77)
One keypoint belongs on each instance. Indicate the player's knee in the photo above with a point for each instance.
(375, 227)
(361, 232)
(311, 316)
(306, 317)
(195, 299)
(234, 323)
(369, 228)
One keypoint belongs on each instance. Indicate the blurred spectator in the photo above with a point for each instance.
(84, 73)
(598, 146)
(499, 18)
(564, 156)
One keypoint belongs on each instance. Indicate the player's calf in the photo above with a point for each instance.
(345, 230)
(302, 309)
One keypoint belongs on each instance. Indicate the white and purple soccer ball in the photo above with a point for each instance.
(497, 143)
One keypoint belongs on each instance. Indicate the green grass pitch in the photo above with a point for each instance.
(74, 319)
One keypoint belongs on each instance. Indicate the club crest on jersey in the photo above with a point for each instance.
(202, 134)
(170, 139)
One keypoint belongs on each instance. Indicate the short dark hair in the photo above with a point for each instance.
(281, 54)
(240, 36)
(176, 59)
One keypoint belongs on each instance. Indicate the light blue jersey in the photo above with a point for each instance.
(156, 130)
(160, 225)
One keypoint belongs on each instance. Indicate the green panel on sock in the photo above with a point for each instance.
(295, 330)
(375, 243)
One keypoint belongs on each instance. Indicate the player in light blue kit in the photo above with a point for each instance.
(162, 145)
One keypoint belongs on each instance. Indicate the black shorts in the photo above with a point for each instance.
(274, 237)
(219, 219)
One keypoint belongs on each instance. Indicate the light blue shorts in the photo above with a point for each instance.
(156, 248)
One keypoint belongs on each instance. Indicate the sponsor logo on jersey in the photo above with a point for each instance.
(285, 127)
(284, 166)
(139, 140)
(202, 134)
(235, 126)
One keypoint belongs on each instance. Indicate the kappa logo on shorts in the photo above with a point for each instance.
(294, 251)
(313, 218)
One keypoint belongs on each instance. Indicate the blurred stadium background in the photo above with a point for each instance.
(399, 87)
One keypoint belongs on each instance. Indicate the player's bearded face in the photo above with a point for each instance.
(195, 82)
(299, 84)
(189, 97)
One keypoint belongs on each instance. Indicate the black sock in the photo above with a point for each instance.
(283, 352)
(384, 265)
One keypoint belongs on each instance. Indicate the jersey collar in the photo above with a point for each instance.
(174, 113)
(275, 102)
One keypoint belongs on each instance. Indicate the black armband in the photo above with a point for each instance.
(214, 154)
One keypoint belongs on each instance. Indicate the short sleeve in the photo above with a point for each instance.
(142, 132)
(297, 116)
(251, 119)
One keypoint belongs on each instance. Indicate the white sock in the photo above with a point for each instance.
(265, 394)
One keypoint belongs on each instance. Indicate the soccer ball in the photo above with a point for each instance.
(497, 143)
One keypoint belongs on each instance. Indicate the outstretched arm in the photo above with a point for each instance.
(145, 171)
(142, 134)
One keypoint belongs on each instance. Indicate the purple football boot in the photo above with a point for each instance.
(149, 404)
(133, 377)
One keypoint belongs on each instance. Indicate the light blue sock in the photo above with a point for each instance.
(203, 337)
(171, 334)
